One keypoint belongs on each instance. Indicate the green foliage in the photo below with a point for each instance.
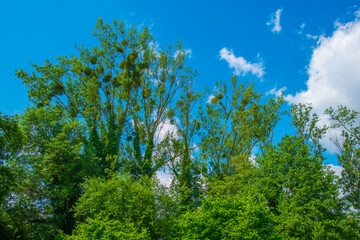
(101, 228)
(11, 142)
(300, 191)
(186, 173)
(52, 160)
(151, 107)
(348, 120)
(232, 125)
(239, 216)
(119, 198)
(307, 126)
(11, 137)
(242, 181)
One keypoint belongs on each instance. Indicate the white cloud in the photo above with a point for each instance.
(209, 98)
(302, 26)
(188, 52)
(334, 71)
(165, 128)
(165, 177)
(155, 47)
(308, 35)
(336, 169)
(312, 36)
(240, 65)
(276, 92)
(334, 74)
(275, 21)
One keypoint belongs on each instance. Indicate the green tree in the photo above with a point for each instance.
(231, 124)
(124, 88)
(152, 106)
(348, 120)
(143, 204)
(182, 151)
(301, 191)
(307, 125)
(52, 165)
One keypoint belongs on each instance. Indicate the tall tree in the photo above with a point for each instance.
(126, 85)
(231, 124)
(182, 150)
(307, 125)
(151, 107)
(348, 121)
(301, 191)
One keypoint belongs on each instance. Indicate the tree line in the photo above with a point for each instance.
(81, 161)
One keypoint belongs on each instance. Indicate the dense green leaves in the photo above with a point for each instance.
(102, 228)
(240, 216)
(144, 205)
(11, 141)
(301, 192)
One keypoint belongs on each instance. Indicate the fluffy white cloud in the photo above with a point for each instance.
(334, 74)
(334, 71)
(275, 21)
(276, 92)
(240, 65)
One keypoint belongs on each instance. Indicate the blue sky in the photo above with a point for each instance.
(282, 44)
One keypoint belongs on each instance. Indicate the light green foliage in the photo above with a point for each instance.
(141, 203)
(124, 87)
(232, 124)
(307, 126)
(348, 121)
(186, 174)
(94, 86)
(101, 228)
(300, 191)
(238, 216)
(153, 105)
